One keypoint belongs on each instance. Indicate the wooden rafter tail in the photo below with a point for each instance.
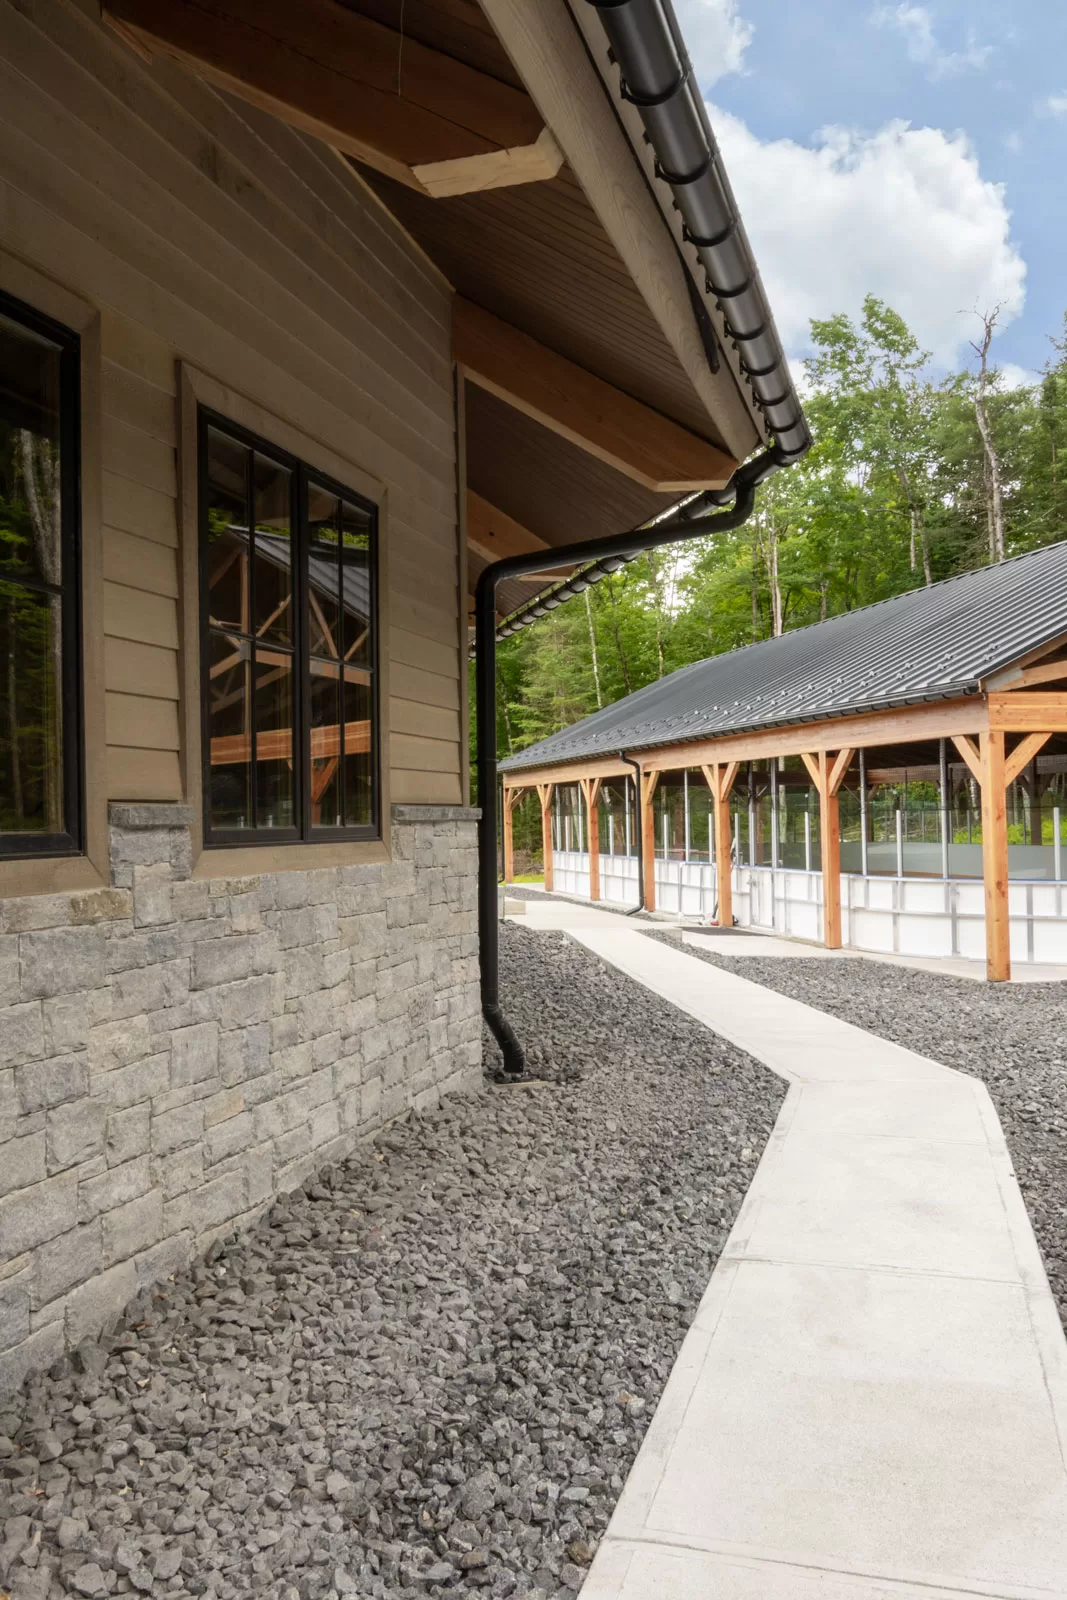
(445, 129)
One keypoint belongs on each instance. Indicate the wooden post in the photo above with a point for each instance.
(590, 794)
(511, 800)
(994, 771)
(827, 773)
(995, 856)
(647, 824)
(544, 794)
(720, 780)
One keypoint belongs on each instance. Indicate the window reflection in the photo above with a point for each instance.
(33, 781)
(287, 561)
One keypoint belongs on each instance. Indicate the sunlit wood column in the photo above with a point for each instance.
(827, 771)
(649, 781)
(995, 855)
(719, 777)
(545, 792)
(511, 800)
(590, 795)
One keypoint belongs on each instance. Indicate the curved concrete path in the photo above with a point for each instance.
(872, 1400)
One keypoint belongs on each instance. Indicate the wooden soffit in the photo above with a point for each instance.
(422, 116)
(620, 431)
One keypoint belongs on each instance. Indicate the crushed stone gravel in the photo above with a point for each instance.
(1011, 1036)
(428, 1371)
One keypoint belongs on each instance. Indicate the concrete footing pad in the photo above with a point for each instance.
(872, 1399)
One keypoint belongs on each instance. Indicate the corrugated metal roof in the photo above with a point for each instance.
(929, 644)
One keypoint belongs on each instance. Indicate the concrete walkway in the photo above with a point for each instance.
(872, 1400)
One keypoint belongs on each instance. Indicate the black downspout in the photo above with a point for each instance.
(636, 765)
(618, 547)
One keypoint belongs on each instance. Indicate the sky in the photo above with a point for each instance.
(916, 152)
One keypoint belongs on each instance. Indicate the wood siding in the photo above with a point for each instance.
(206, 232)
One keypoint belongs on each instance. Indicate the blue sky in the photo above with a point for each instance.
(914, 150)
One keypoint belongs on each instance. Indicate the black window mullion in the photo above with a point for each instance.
(341, 625)
(296, 618)
(69, 839)
(301, 595)
(250, 512)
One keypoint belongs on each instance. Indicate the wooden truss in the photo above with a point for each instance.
(979, 727)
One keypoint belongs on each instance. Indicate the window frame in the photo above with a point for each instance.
(302, 475)
(70, 841)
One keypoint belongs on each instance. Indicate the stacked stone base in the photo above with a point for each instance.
(176, 1051)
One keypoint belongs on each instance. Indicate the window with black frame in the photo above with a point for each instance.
(40, 713)
(288, 580)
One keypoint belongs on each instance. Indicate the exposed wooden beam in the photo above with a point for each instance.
(946, 719)
(1020, 712)
(557, 66)
(497, 169)
(1015, 676)
(840, 767)
(970, 753)
(492, 534)
(937, 720)
(1022, 755)
(410, 111)
(641, 443)
(812, 764)
(1045, 672)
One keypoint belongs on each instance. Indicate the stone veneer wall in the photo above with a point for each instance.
(176, 1051)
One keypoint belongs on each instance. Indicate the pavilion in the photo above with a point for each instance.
(817, 764)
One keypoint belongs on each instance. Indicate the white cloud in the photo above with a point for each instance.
(1057, 104)
(917, 26)
(903, 213)
(716, 37)
(1013, 376)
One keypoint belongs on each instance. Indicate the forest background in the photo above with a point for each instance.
(912, 478)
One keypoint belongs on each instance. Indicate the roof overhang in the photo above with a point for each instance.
(497, 137)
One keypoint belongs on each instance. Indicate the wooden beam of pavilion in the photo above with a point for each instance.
(276, 744)
(410, 111)
(641, 443)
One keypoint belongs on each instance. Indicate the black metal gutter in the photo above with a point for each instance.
(657, 78)
(618, 548)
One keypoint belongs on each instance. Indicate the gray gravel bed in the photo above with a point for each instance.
(1012, 1037)
(429, 1371)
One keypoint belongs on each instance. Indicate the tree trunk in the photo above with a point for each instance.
(592, 648)
(919, 539)
(619, 651)
(992, 475)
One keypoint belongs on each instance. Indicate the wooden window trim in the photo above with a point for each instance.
(304, 476)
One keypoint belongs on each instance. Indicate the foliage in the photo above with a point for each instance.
(893, 495)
